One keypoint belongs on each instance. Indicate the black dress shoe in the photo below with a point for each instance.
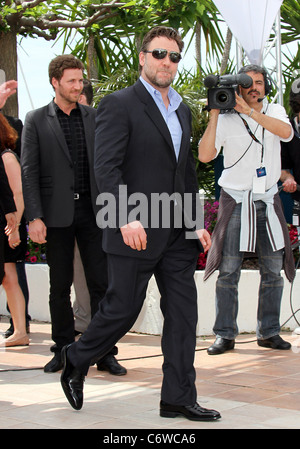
(275, 342)
(55, 364)
(220, 346)
(72, 381)
(193, 412)
(109, 363)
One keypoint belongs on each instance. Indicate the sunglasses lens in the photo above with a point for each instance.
(159, 54)
(175, 57)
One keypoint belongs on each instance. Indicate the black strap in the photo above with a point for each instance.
(254, 137)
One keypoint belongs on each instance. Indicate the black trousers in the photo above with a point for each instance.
(128, 281)
(60, 258)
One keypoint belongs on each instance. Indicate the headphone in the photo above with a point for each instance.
(257, 69)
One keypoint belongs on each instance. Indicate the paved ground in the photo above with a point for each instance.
(252, 387)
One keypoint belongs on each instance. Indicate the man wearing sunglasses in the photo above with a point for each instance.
(143, 143)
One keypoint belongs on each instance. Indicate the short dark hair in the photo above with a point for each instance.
(294, 100)
(258, 69)
(61, 63)
(161, 31)
(88, 91)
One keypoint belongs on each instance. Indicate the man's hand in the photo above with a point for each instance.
(134, 235)
(289, 185)
(6, 90)
(241, 106)
(204, 238)
(37, 231)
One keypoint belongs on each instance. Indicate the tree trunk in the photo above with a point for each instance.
(92, 58)
(198, 43)
(226, 52)
(8, 63)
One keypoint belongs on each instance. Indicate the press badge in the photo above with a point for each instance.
(261, 172)
(259, 181)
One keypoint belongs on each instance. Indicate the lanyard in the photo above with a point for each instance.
(255, 138)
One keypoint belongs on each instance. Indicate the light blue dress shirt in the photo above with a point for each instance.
(169, 114)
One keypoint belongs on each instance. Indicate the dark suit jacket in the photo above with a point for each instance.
(133, 147)
(47, 167)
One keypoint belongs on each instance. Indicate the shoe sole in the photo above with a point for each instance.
(272, 346)
(165, 414)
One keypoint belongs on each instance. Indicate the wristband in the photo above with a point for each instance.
(251, 112)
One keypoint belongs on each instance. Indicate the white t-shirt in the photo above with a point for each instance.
(233, 136)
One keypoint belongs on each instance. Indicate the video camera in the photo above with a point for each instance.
(221, 97)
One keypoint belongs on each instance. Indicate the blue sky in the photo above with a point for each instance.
(34, 89)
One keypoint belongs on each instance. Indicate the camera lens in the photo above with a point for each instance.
(222, 97)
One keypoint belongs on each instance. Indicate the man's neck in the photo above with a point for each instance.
(66, 107)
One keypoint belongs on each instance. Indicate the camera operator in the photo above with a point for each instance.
(250, 217)
(290, 151)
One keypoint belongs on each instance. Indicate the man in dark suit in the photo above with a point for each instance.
(60, 193)
(143, 148)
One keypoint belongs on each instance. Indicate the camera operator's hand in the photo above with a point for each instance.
(241, 106)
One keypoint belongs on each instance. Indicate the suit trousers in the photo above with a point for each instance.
(60, 258)
(119, 309)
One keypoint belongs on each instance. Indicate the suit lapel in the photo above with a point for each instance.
(183, 119)
(154, 114)
(88, 132)
(57, 131)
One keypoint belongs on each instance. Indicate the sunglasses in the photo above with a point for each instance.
(160, 53)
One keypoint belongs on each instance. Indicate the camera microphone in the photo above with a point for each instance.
(242, 79)
(211, 81)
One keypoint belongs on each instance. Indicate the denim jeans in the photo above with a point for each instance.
(271, 281)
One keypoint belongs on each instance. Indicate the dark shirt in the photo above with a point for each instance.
(73, 129)
(290, 157)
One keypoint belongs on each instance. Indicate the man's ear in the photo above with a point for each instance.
(142, 58)
(54, 82)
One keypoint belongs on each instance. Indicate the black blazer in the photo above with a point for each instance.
(133, 147)
(47, 168)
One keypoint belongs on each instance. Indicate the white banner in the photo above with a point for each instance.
(250, 21)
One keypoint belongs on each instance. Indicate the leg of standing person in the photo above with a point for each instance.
(117, 312)
(60, 253)
(175, 279)
(81, 304)
(94, 260)
(271, 286)
(16, 303)
(225, 327)
(22, 278)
